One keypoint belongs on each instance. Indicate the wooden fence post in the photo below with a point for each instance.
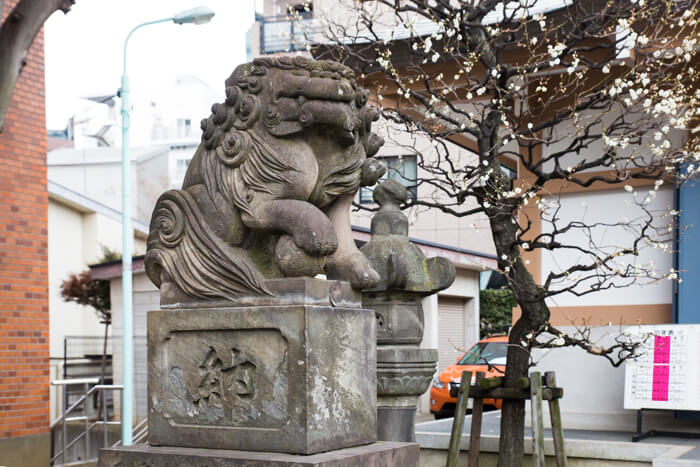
(458, 422)
(555, 416)
(475, 436)
(537, 423)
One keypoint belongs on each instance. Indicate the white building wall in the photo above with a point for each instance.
(152, 179)
(96, 174)
(465, 288)
(67, 237)
(98, 181)
(177, 169)
(608, 207)
(146, 298)
(76, 239)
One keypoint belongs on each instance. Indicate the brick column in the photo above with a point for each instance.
(24, 305)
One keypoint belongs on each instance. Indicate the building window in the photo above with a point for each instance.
(512, 174)
(184, 127)
(183, 163)
(402, 169)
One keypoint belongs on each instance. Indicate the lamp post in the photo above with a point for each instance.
(199, 15)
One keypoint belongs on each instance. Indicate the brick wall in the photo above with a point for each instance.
(24, 313)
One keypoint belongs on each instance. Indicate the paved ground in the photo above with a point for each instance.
(427, 432)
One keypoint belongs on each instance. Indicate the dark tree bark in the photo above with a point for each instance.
(17, 33)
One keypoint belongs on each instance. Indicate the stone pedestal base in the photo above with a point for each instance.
(380, 454)
(396, 423)
(292, 378)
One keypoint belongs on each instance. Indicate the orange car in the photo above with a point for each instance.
(491, 350)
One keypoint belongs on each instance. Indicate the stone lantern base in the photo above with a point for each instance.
(403, 374)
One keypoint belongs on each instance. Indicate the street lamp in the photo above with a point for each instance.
(199, 15)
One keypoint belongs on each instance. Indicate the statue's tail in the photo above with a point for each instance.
(183, 248)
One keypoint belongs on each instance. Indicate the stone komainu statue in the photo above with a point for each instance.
(268, 192)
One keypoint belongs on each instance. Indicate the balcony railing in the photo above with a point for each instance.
(282, 34)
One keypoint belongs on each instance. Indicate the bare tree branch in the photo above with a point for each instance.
(16, 36)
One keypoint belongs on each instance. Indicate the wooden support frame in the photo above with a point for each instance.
(535, 388)
(555, 417)
(475, 433)
(537, 422)
(458, 424)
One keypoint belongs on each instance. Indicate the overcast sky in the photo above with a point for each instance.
(84, 49)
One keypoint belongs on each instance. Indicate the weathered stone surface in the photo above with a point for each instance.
(396, 423)
(268, 192)
(404, 371)
(401, 265)
(399, 316)
(293, 378)
(403, 374)
(380, 454)
(287, 291)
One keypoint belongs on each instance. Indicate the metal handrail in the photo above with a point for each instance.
(102, 388)
(138, 429)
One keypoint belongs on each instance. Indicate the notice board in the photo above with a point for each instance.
(667, 376)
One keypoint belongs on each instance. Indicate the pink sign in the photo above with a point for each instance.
(662, 349)
(662, 357)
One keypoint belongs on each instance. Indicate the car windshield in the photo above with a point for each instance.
(486, 352)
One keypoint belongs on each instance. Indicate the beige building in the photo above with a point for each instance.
(79, 227)
(647, 303)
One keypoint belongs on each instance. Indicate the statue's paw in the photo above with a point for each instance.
(295, 262)
(364, 279)
(317, 241)
(357, 271)
(372, 171)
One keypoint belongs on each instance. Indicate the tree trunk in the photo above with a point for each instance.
(534, 315)
(511, 443)
(17, 33)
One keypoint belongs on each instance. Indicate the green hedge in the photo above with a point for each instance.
(496, 309)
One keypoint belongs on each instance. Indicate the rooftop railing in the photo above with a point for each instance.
(284, 34)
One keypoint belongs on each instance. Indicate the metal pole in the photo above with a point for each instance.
(127, 248)
(127, 306)
(198, 15)
(65, 433)
(104, 419)
(87, 422)
(64, 389)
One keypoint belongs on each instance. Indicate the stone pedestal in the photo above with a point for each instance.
(403, 374)
(404, 371)
(293, 378)
(372, 455)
